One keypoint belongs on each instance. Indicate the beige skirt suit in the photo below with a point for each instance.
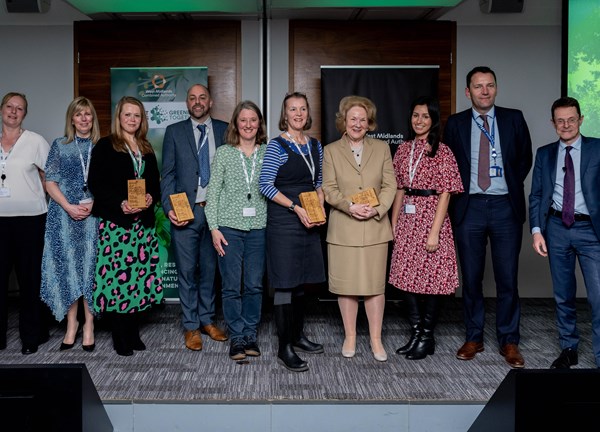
(357, 251)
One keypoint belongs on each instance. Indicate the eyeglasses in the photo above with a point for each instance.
(562, 122)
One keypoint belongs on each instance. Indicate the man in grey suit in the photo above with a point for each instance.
(188, 149)
(564, 211)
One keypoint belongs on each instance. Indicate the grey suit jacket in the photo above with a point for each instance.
(180, 160)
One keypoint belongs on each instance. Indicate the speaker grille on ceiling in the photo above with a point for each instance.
(501, 6)
(27, 6)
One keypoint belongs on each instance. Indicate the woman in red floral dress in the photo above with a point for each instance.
(424, 259)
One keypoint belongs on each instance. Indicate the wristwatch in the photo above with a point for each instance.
(292, 207)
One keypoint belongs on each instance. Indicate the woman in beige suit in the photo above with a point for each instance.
(358, 234)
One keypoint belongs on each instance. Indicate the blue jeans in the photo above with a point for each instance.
(194, 253)
(564, 246)
(244, 258)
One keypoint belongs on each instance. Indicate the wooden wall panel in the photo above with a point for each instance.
(318, 43)
(100, 45)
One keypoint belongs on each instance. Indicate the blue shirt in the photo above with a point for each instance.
(498, 184)
(557, 195)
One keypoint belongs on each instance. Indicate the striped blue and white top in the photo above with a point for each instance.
(275, 157)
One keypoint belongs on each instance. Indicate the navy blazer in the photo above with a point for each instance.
(544, 179)
(180, 160)
(517, 155)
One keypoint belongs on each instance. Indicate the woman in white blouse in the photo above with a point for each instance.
(22, 220)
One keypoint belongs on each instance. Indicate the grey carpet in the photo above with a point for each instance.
(167, 371)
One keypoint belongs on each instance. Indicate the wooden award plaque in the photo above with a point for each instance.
(310, 202)
(136, 193)
(368, 196)
(181, 207)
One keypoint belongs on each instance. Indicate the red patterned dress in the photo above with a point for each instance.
(414, 269)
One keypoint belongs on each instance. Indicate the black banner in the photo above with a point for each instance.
(391, 88)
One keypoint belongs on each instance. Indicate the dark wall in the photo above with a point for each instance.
(100, 45)
(318, 43)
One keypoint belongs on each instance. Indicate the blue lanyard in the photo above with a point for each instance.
(487, 134)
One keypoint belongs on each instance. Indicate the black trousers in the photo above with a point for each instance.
(21, 248)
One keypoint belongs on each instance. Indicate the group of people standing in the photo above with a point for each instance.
(86, 246)
(436, 193)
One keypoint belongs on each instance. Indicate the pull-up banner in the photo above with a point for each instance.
(391, 88)
(163, 92)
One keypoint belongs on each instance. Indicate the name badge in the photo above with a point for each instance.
(495, 171)
(410, 209)
(4, 192)
(249, 212)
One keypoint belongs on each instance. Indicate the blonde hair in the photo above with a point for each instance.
(118, 137)
(351, 101)
(9, 95)
(76, 106)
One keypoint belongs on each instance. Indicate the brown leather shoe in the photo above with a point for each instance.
(512, 355)
(214, 332)
(469, 350)
(193, 340)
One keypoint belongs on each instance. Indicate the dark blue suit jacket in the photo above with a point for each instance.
(180, 160)
(515, 144)
(544, 179)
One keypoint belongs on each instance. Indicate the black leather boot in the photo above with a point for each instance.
(426, 343)
(133, 328)
(119, 334)
(414, 318)
(300, 341)
(285, 353)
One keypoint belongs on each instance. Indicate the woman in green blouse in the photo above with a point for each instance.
(236, 212)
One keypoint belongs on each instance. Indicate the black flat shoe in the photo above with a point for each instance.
(567, 358)
(66, 346)
(26, 350)
(125, 352)
(89, 348)
(138, 345)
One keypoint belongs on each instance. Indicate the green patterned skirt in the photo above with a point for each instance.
(127, 277)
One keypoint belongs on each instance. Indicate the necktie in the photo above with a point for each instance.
(568, 206)
(483, 169)
(203, 157)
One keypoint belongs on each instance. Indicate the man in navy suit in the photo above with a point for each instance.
(188, 148)
(492, 147)
(564, 209)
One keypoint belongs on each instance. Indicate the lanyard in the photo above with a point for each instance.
(85, 166)
(489, 136)
(249, 178)
(138, 162)
(310, 163)
(3, 158)
(412, 170)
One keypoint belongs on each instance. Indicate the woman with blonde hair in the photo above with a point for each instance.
(71, 231)
(23, 209)
(128, 279)
(358, 232)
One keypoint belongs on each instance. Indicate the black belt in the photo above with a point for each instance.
(420, 192)
(201, 203)
(578, 217)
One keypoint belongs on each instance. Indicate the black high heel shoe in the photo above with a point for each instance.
(89, 348)
(66, 346)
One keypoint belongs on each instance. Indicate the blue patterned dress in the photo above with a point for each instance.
(70, 246)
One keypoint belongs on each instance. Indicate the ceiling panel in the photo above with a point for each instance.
(271, 9)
